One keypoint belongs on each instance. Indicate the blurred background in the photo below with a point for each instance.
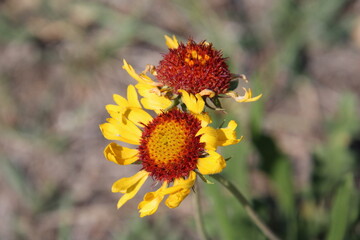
(60, 63)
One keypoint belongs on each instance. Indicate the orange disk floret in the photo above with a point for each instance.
(169, 147)
(194, 67)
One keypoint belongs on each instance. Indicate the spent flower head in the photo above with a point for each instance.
(194, 67)
(197, 68)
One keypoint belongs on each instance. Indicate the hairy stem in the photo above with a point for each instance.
(198, 215)
(240, 197)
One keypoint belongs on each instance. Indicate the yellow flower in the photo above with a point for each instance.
(172, 147)
(192, 67)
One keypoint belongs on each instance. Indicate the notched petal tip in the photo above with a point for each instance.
(195, 103)
(172, 43)
(227, 136)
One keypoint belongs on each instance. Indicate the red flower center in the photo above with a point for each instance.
(169, 147)
(194, 67)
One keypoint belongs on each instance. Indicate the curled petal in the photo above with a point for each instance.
(212, 164)
(177, 193)
(227, 136)
(172, 43)
(207, 92)
(181, 189)
(120, 155)
(247, 97)
(175, 199)
(129, 186)
(214, 138)
(151, 201)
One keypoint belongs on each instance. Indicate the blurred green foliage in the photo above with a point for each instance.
(82, 36)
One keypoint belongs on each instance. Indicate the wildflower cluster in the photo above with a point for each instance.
(178, 144)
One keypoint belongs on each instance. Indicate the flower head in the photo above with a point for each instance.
(169, 146)
(194, 67)
(172, 147)
(197, 68)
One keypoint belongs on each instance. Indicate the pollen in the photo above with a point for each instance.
(169, 147)
(194, 67)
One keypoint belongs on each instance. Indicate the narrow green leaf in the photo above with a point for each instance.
(341, 209)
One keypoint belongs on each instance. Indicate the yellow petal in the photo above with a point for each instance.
(129, 186)
(137, 116)
(204, 118)
(209, 137)
(115, 111)
(113, 108)
(120, 155)
(227, 136)
(144, 89)
(142, 78)
(180, 190)
(195, 104)
(175, 199)
(125, 185)
(126, 129)
(214, 138)
(156, 103)
(253, 99)
(180, 183)
(152, 100)
(133, 97)
(172, 43)
(111, 132)
(132, 100)
(151, 201)
(212, 164)
(247, 97)
(120, 100)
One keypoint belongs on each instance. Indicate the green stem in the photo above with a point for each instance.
(198, 215)
(240, 197)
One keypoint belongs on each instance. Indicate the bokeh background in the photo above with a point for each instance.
(60, 63)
